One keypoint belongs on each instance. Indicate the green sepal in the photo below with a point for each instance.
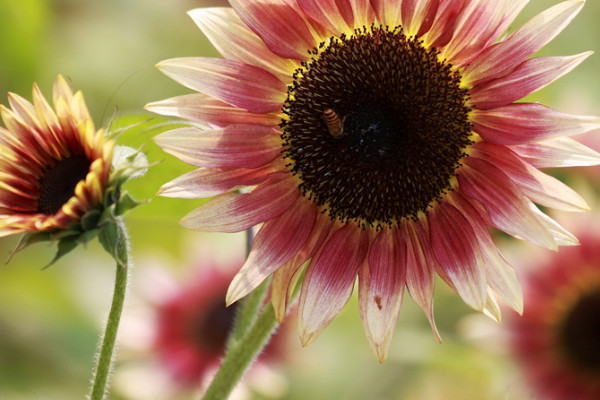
(27, 240)
(87, 236)
(90, 220)
(113, 240)
(126, 203)
(64, 246)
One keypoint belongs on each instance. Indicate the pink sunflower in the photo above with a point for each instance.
(557, 338)
(192, 327)
(380, 140)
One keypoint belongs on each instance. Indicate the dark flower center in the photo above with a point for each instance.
(210, 331)
(375, 127)
(580, 333)
(57, 185)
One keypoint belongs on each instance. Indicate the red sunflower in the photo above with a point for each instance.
(55, 165)
(380, 140)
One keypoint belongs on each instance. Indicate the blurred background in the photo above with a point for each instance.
(50, 320)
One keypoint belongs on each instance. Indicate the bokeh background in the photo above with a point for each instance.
(50, 320)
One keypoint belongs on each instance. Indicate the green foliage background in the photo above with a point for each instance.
(50, 320)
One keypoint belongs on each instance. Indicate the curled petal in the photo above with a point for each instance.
(234, 212)
(329, 280)
(239, 84)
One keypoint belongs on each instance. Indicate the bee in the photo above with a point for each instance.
(335, 125)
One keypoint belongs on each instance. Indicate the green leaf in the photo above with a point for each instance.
(64, 246)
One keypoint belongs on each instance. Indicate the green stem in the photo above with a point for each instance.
(240, 354)
(118, 239)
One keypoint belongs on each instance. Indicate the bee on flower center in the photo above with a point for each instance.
(335, 125)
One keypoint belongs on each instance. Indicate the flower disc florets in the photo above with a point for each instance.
(402, 126)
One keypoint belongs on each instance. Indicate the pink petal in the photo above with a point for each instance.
(503, 201)
(241, 146)
(206, 182)
(285, 278)
(232, 38)
(420, 269)
(381, 288)
(528, 77)
(364, 15)
(560, 234)
(335, 16)
(418, 16)
(329, 280)
(479, 25)
(537, 186)
(210, 111)
(455, 247)
(500, 276)
(444, 24)
(387, 13)
(277, 241)
(520, 123)
(235, 212)
(557, 152)
(239, 84)
(283, 30)
(521, 44)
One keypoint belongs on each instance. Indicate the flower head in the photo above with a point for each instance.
(556, 339)
(57, 181)
(192, 327)
(382, 140)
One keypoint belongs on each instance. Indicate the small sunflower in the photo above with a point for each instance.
(557, 338)
(381, 140)
(57, 181)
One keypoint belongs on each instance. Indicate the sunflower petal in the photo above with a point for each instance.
(382, 281)
(329, 280)
(528, 77)
(239, 84)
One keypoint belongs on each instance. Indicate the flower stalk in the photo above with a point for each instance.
(241, 352)
(115, 241)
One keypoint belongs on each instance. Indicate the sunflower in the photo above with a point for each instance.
(556, 339)
(57, 178)
(379, 140)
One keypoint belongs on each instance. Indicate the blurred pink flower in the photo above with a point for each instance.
(557, 340)
(192, 327)
(381, 139)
